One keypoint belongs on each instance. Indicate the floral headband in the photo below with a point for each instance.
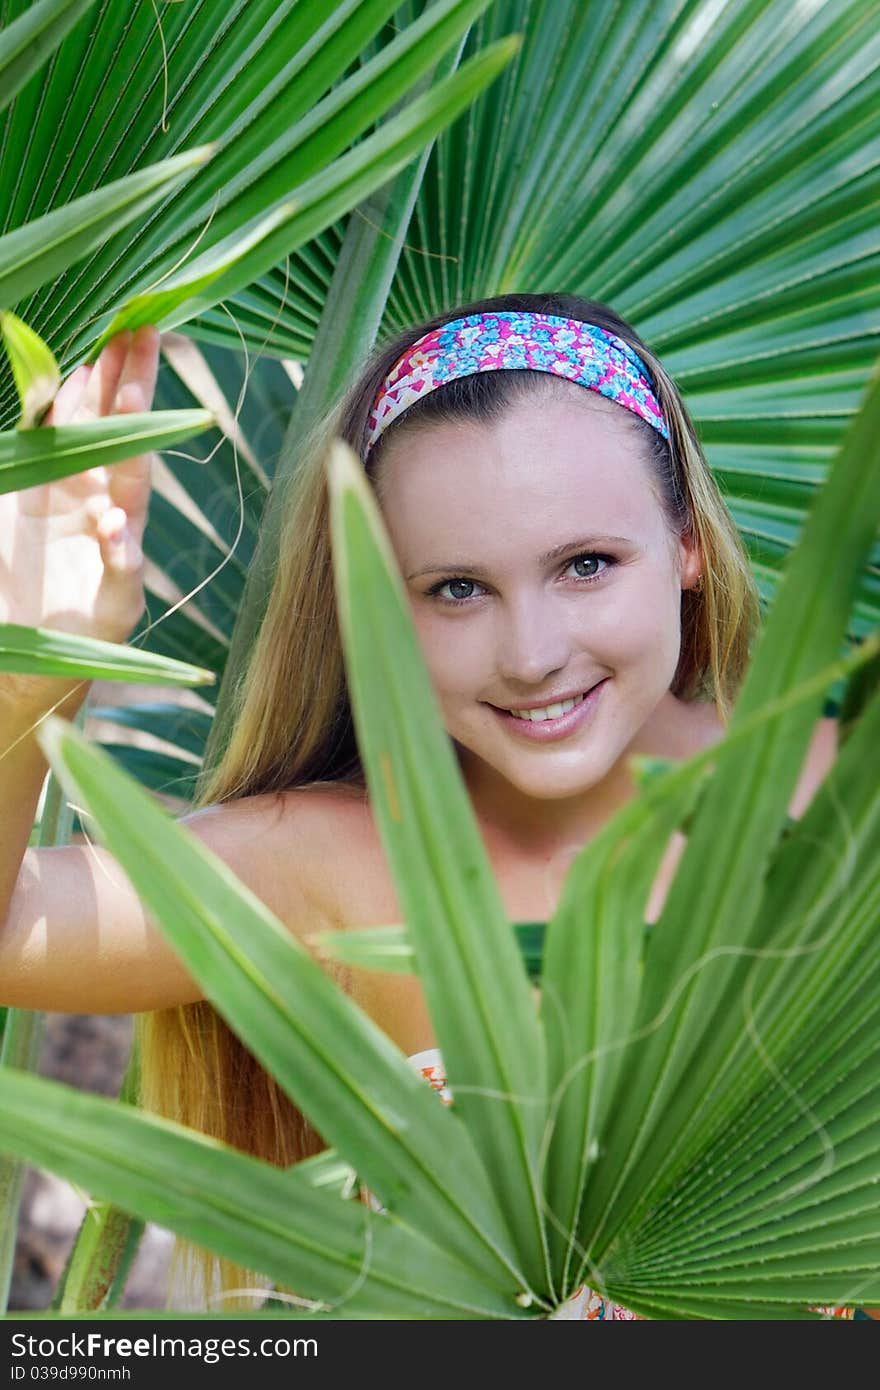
(581, 352)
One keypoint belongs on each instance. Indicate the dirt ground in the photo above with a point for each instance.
(89, 1053)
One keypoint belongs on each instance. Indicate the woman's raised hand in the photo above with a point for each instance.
(70, 551)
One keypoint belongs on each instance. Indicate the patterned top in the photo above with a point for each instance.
(584, 1302)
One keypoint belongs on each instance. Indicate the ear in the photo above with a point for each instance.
(690, 560)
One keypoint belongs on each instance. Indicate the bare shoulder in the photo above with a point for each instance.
(820, 756)
(287, 845)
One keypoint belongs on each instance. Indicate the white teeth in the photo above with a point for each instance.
(549, 711)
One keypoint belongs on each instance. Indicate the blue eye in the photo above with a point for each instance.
(607, 560)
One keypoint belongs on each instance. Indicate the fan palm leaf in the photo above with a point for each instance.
(283, 91)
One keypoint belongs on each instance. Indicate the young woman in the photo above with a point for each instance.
(580, 593)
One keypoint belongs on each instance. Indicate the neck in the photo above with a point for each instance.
(539, 828)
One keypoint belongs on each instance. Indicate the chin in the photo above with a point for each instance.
(550, 787)
(541, 772)
(546, 778)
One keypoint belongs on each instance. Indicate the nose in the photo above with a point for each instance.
(533, 642)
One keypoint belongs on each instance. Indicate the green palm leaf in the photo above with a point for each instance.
(771, 426)
(186, 728)
(389, 948)
(329, 1250)
(241, 257)
(46, 651)
(786, 1163)
(474, 980)
(591, 935)
(821, 956)
(295, 1020)
(43, 248)
(690, 1021)
(597, 936)
(180, 637)
(27, 43)
(270, 84)
(32, 456)
(333, 1060)
(103, 1253)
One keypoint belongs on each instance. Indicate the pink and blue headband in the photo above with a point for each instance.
(581, 352)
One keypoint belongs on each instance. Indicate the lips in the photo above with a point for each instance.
(546, 730)
(547, 701)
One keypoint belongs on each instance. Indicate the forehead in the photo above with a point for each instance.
(543, 466)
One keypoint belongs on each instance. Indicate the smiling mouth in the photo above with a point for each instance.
(550, 730)
(503, 709)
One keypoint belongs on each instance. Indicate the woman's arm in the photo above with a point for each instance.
(77, 938)
(70, 561)
(74, 935)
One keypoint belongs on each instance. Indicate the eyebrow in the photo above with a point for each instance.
(582, 543)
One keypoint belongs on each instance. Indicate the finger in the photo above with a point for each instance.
(120, 549)
(68, 397)
(141, 365)
(129, 482)
(95, 509)
(103, 384)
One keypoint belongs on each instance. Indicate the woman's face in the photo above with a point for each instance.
(482, 506)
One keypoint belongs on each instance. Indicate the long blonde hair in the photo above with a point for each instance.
(292, 723)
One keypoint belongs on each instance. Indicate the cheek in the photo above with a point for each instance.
(646, 607)
(623, 625)
(644, 628)
(456, 654)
